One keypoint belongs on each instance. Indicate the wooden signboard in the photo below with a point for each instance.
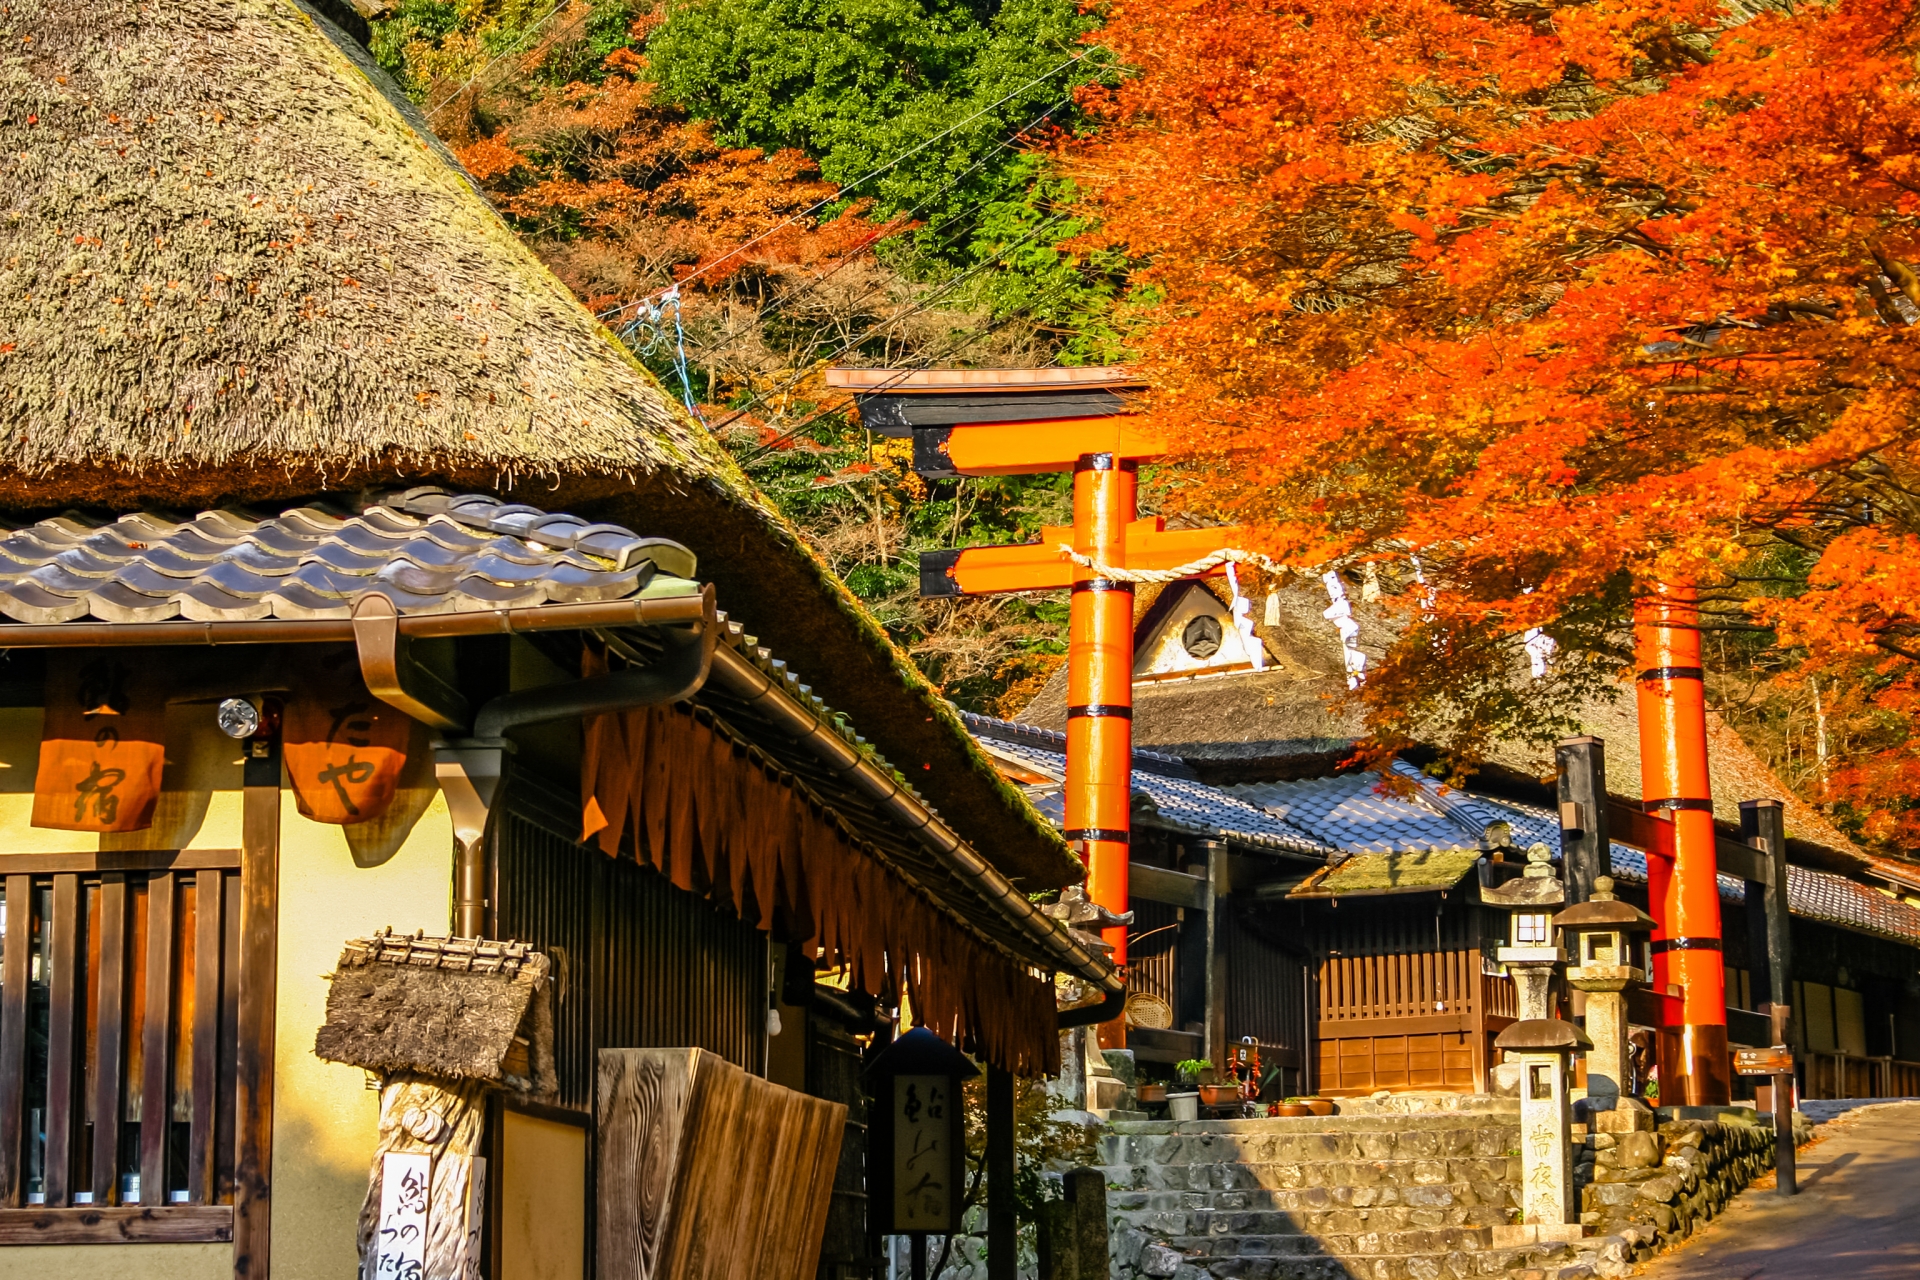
(916, 1176)
(708, 1173)
(1777, 1061)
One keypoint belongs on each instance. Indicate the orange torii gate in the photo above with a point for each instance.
(988, 422)
(999, 422)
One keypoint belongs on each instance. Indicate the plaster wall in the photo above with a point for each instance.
(335, 883)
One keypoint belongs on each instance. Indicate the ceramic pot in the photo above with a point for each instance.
(1295, 1109)
(1219, 1095)
(1183, 1106)
(1320, 1106)
(1150, 1093)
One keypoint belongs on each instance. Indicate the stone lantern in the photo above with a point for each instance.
(1608, 942)
(1532, 952)
(1543, 1049)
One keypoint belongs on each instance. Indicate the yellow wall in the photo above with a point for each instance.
(336, 883)
(121, 1262)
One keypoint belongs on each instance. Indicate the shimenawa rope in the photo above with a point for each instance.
(1202, 565)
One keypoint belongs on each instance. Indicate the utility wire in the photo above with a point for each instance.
(816, 282)
(853, 342)
(967, 339)
(488, 65)
(865, 178)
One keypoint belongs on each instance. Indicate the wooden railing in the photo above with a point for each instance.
(1843, 1075)
(118, 1044)
(1409, 985)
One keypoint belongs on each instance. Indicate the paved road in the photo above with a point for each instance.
(1857, 1216)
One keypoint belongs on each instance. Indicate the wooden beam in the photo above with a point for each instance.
(1003, 1231)
(109, 1055)
(202, 1161)
(13, 1039)
(259, 965)
(1028, 448)
(1217, 924)
(1427, 1024)
(66, 1013)
(49, 864)
(1581, 783)
(1629, 826)
(1042, 566)
(134, 1224)
(1763, 822)
(1175, 888)
(156, 1054)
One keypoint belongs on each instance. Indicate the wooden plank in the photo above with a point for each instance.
(64, 1015)
(13, 1039)
(133, 1224)
(1427, 1024)
(156, 1090)
(1157, 884)
(258, 963)
(47, 864)
(209, 886)
(109, 1037)
(225, 1148)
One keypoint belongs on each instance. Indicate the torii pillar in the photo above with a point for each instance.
(996, 422)
(1683, 891)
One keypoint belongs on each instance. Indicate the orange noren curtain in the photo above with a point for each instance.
(668, 787)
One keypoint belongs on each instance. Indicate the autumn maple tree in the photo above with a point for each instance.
(1544, 304)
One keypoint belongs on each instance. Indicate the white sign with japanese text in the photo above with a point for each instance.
(923, 1193)
(400, 1241)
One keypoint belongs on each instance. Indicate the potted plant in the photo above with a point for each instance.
(1319, 1106)
(1292, 1107)
(1185, 1103)
(1150, 1092)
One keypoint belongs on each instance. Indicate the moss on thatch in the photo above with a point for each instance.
(1372, 873)
(238, 268)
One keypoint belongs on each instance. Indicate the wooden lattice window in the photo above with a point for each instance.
(118, 1045)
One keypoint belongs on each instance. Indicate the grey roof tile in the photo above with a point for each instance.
(427, 550)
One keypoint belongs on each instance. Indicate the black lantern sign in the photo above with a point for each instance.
(916, 1162)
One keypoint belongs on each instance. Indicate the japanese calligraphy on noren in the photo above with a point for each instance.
(345, 749)
(922, 1161)
(102, 749)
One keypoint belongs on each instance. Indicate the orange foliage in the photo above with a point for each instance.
(1562, 301)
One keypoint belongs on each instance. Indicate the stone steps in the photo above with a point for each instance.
(1402, 1194)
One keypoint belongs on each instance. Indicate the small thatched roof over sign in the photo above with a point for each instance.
(449, 1008)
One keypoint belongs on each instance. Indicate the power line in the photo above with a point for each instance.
(496, 58)
(861, 181)
(816, 282)
(857, 339)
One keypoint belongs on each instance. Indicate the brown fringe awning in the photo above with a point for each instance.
(670, 787)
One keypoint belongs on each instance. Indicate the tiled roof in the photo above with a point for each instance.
(1392, 836)
(1351, 813)
(426, 550)
(1178, 801)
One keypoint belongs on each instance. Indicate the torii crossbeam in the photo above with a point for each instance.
(999, 422)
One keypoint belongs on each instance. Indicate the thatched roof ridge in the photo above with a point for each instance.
(232, 243)
(235, 266)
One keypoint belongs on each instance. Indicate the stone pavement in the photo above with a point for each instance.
(1857, 1216)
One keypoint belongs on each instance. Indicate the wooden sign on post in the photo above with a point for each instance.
(1776, 1061)
(917, 1167)
(400, 1240)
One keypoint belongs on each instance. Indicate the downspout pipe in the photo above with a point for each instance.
(743, 680)
(1087, 1015)
(471, 770)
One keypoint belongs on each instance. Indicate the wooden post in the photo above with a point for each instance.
(1216, 967)
(1787, 1180)
(67, 999)
(1586, 853)
(13, 1039)
(1763, 825)
(1002, 1227)
(259, 963)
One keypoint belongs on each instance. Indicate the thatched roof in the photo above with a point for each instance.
(450, 1008)
(238, 268)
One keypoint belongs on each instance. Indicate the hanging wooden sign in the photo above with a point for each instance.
(344, 748)
(103, 749)
(916, 1166)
